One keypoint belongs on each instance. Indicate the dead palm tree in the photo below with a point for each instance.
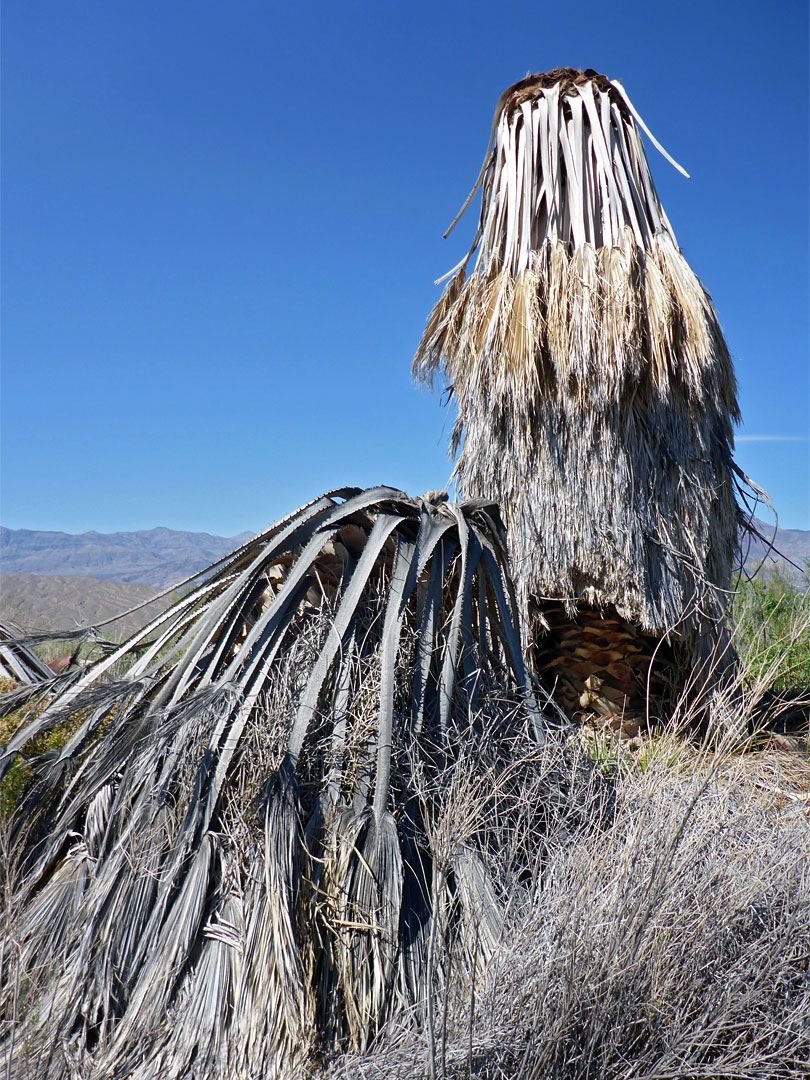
(239, 853)
(595, 396)
(235, 858)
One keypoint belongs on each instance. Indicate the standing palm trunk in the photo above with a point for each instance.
(595, 397)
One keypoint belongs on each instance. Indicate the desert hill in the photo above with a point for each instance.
(793, 544)
(65, 601)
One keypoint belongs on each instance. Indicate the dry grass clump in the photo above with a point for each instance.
(673, 943)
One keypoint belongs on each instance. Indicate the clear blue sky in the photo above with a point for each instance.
(222, 224)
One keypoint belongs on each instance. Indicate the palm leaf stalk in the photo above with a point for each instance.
(232, 861)
(595, 392)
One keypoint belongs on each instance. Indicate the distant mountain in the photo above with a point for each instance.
(793, 544)
(158, 557)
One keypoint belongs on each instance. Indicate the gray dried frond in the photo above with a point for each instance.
(595, 392)
(18, 661)
(232, 862)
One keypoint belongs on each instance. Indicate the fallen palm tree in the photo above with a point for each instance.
(234, 860)
(595, 398)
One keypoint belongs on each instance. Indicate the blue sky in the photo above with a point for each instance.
(222, 223)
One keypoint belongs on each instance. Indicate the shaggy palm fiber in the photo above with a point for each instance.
(237, 859)
(594, 388)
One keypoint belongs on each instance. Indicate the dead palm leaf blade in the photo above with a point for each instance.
(232, 862)
(18, 661)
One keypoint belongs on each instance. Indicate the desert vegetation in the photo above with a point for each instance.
(667, 938)
(772, 615)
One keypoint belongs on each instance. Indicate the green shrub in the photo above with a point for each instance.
(20, 775)
(773, 628)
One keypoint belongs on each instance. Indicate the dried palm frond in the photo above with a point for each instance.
(595, 391)
(18, 661)
(231, 862)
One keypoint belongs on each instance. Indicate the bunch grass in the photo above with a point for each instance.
(772, 614)
(668, 939)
